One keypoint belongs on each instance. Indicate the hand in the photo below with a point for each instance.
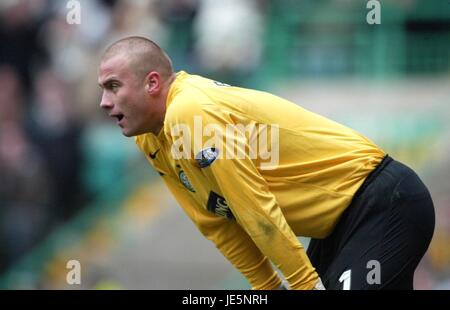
(282, 287)
(319, 285)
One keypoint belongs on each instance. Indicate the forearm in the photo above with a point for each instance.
(234, 243)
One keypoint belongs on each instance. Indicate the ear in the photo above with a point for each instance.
(153, 83)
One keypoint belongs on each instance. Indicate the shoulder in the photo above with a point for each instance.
(186, 105)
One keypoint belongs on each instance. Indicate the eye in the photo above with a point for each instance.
(113, 86)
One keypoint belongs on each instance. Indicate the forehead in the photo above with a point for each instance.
(115, 67)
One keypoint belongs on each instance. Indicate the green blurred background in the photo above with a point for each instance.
(74, 188)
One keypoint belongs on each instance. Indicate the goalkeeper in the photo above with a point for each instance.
(254, 171)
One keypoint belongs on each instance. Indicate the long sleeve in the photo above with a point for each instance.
(248, 196)
(259, 214)
(232, 241)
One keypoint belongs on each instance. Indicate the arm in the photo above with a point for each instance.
(230, 239)
(258, 213)
(249, 198)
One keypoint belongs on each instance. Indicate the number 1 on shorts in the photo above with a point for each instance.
(346, 278)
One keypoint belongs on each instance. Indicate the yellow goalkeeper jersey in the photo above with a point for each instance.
(254, 171)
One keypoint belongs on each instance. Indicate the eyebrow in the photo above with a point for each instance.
(108, 81)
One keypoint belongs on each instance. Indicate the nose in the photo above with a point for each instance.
(106, 103)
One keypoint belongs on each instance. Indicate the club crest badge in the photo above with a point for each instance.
(184, 179)
(206, 157)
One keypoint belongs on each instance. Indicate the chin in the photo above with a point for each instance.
(132, 133)
(128, 133)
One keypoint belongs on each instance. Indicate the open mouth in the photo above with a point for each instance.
(119, 117)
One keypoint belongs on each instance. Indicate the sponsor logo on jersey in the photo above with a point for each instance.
(218, 205)
(153, 155)
(206, 157)
(184, 179)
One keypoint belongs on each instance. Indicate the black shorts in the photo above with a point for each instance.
(382, 236)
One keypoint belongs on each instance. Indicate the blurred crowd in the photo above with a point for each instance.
(53, 155)
(49, 95)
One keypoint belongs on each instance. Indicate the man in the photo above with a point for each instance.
(364, 211)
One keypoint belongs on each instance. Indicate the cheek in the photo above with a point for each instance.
(126, 101)
(120, 100)
(140, 105)
(137, 111)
